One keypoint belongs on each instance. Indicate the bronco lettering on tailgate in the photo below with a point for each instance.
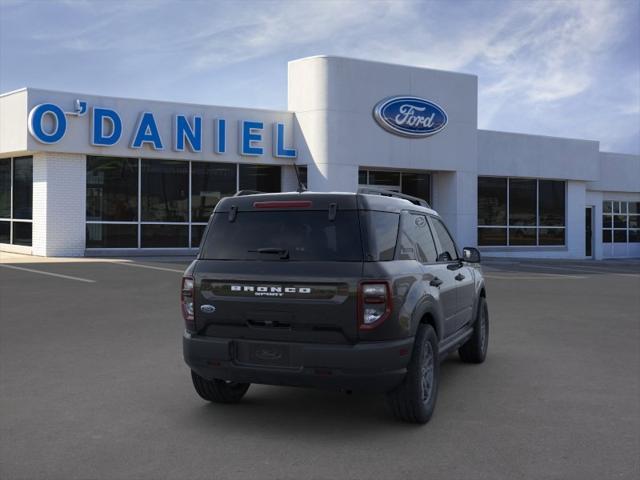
(270, 290)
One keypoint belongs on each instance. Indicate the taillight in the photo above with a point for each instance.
(374, 301)
(186, 301)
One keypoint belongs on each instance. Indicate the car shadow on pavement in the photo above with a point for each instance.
(289, 411)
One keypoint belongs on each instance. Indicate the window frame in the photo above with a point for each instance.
(616, 210)
(137, 196)
(436, 238)
(189, 223)
(538, 226)
(404, 215)
(366, 234)
(11, 219)
(367, 170)
(192, 193)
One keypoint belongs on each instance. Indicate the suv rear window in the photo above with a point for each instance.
(298, 235)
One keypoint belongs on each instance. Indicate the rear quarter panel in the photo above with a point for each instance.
(412, 298)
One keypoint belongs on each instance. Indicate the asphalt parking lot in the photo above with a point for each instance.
(93, 386)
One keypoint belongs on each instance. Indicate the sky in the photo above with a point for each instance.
(568, 68)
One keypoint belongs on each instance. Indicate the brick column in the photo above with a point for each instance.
(59, 202)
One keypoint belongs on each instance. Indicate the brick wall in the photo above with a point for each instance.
(59, 197)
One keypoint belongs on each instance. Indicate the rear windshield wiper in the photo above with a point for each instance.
(283, 252)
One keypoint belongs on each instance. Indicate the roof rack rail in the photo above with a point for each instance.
(242, 193)
(389, 193)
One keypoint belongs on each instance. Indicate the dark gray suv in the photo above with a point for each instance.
(350, 291)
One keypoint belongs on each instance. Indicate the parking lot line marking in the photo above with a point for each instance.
(576, 268)
(151, 267)
(51, 274)
(537, 276)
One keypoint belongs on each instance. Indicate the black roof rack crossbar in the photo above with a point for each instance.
(242, 193)
(389, 193)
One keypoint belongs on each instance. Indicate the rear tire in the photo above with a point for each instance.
(475, 349)
(414, 400)
(219, 391)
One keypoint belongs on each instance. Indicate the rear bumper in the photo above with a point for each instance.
(367, 366)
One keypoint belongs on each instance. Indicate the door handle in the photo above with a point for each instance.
(436, 282)
(459, 277)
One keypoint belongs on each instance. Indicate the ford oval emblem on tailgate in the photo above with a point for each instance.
(207, 308)
(268, 354)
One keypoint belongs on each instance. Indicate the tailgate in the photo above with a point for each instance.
(281, 301)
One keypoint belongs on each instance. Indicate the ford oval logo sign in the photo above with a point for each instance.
(410, 116)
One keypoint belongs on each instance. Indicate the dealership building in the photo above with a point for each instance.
(94, 175)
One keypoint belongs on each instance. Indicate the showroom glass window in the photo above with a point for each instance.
(521, 212)
(164, 191)
(164, 199)
(112, 197)
(416, 184)
(261, 178)
(620, 222)
(112, 189)
(144, 203)
(16, 200)
(210, 182)
(492, 211)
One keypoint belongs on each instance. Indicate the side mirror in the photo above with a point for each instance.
(471, 255)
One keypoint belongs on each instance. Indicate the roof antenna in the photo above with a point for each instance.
(301, 186)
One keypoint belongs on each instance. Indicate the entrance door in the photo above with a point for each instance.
(588, 232)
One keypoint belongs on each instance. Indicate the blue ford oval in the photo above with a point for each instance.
(410, 116)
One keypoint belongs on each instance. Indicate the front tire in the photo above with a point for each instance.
(475, 349)
(414, 400)
(219, 391)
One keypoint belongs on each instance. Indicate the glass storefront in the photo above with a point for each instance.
(620, 222)
(16, 200)
(521, 212)
(416, 184)
(210, 182)
(261, 178)
(142, 203)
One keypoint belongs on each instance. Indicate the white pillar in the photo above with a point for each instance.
(59, 204)
(575, 221)
(455, 199)
(331, 177)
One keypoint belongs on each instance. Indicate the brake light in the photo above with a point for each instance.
(375, 303)
(186, 302)
(283, 204)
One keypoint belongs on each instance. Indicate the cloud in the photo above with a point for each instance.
(549, 54)
(279, 26)
(535, 60)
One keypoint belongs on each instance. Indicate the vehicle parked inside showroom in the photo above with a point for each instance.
(361, 291)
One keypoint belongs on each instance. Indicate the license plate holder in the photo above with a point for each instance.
(267, 354)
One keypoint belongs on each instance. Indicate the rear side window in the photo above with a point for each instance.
(284, 235)
(381, 234)
(416, 241)
(448, 250)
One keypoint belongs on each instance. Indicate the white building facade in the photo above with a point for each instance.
(87, 174)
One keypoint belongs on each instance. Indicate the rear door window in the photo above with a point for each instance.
(284, 235)
(381, 233)
(416, 241)
(447, 251)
